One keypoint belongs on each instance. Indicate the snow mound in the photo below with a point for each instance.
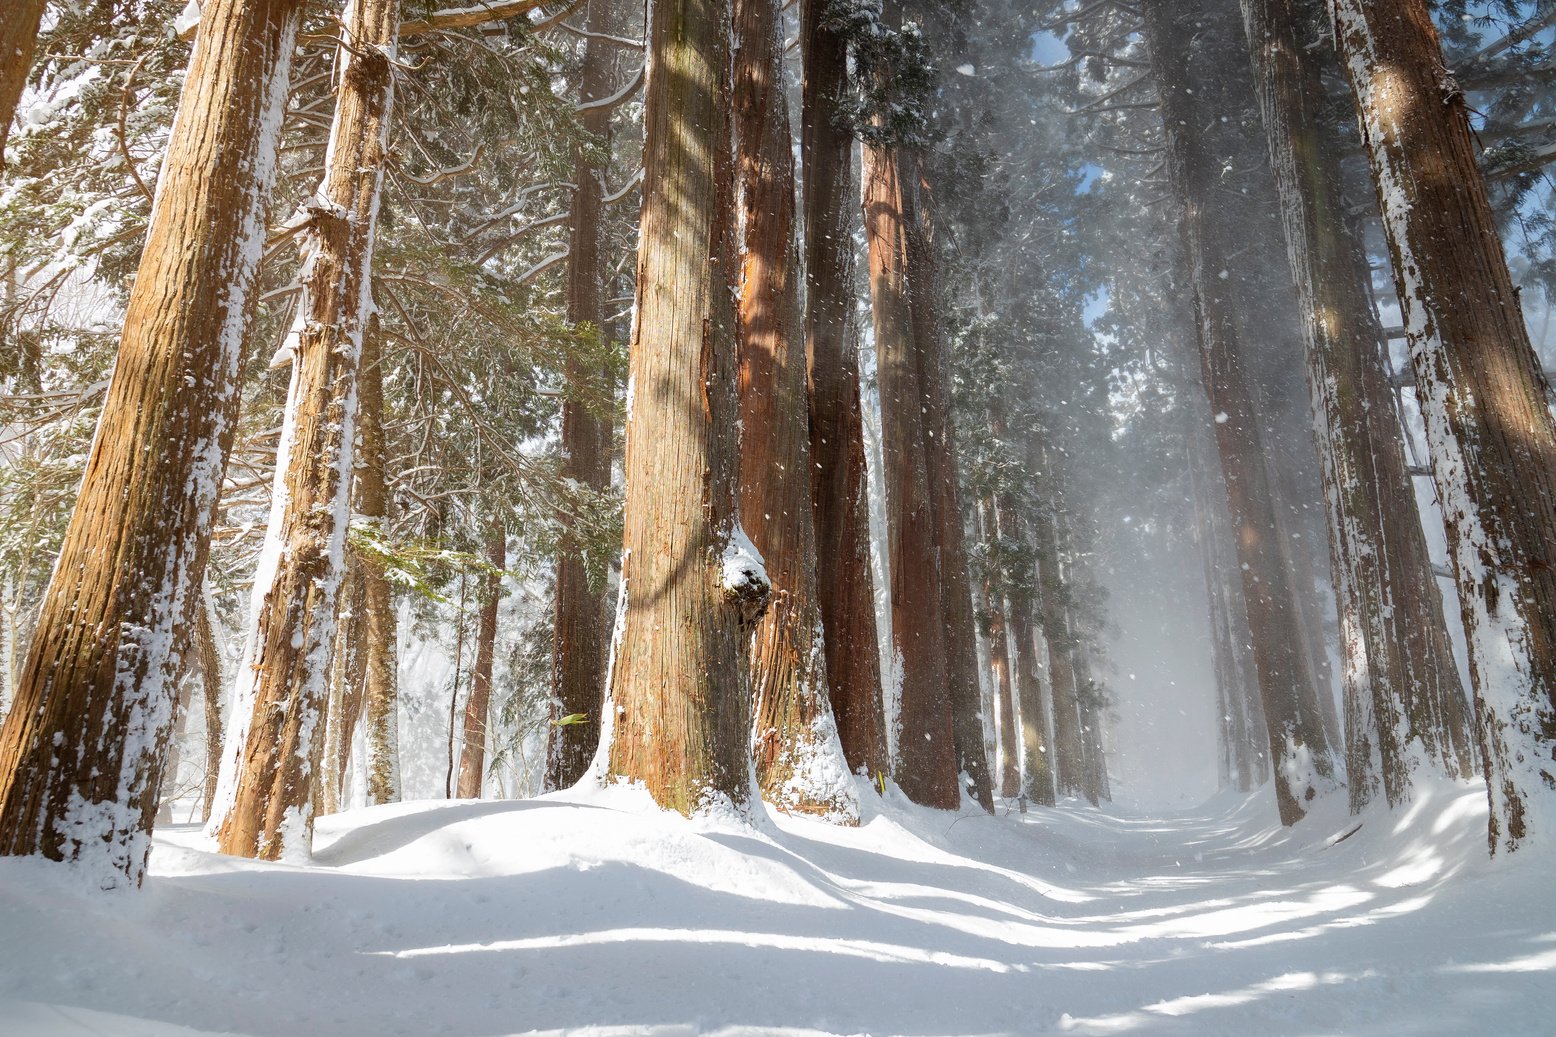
(595, 913)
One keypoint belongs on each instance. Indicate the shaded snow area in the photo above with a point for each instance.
(594, 913)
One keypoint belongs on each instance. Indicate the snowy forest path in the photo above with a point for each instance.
(597, 914)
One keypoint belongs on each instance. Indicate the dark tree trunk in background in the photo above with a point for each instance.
(1296, 735)
(999, 662)
(1483, 399)
(843, 570)
(378, 631)
(930, 348)
(1400, 681)
(582, 613)
(1052, 603)
(82, 750)
(1244, 762)
(1035, 706)
(211, 682)
(478, 704)
(680, 709)
(799, 762)
(19, 21)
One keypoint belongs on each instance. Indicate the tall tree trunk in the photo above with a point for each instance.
(961, 634)
(926, 765)
(679, 711)
(82, 749)
(347, 685)
(1296, 735)
(1399, 678)
(1488, 422)
(297, 586)
(799, 761)
(1095, 785)
(211, 683)
(19, 21)
(1243, 763)
(999, 664)
(582, 615)
(378, 637)
(1052, 603)
(478, 705)
(1035, 706)
(836, 424)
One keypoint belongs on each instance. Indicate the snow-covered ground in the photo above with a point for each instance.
(596, 914)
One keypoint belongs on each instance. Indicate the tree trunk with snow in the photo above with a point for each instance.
(799, 761)
(1296, 734)
(19, 22)
(297, 590)
(582, 614)
(478, 704)
(691, 588)
(843, 567)
(926, 764)
(82, 750)
(1399, 678)
(1483, 399)
(212, 681)
(347, 677)
(960, 636)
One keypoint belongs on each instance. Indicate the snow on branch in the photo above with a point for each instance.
(614, 99)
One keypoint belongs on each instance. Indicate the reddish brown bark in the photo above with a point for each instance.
(19, 21)
(926, 754)
(1401, 684)
(799, 763)
(1483, 399)
(680, 712)
(843, 567)
(82, 750)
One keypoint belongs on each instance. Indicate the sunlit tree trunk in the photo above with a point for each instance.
(82, 750)
(478, 704)
(19, 22)
(799, 762)
(297, 588)
(1488, 422)
(836, 424)
(1399, 678)
(582, 614)
(1298, 745)
(679, 706)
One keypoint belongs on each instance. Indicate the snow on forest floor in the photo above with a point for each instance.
(596, 914)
